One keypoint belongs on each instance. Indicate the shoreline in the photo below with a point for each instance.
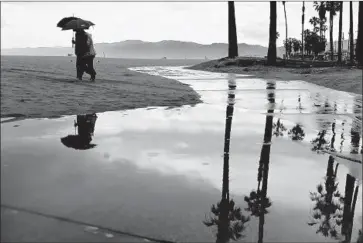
(45, 88)
(339, 78)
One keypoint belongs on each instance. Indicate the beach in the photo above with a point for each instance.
(46, 87)
(339, 78)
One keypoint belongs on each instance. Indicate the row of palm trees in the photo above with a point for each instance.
(321, 7)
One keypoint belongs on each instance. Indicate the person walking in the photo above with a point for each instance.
(85, 53)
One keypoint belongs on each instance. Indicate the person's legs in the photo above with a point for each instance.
(90, 69)
(80, 67)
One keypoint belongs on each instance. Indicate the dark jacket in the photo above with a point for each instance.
(81, 46)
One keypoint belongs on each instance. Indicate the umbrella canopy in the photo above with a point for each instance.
(65, 20)
(77, 142)
(77, 24)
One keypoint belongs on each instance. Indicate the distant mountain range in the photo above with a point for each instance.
(150, 50)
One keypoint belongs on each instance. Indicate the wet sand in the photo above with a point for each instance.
(338, 78)
(45, 87)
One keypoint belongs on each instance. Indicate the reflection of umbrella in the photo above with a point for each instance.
(77, 142)
(77, 24)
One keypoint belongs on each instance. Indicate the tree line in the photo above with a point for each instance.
(313, 41)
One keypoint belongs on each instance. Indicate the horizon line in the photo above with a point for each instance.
(214, 43)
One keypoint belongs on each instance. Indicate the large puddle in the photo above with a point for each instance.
(280, 161)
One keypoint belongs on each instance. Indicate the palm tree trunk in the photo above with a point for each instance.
(351, 35)
(352, 214)
(348, 196)
(227, 137)
(331, 18)
(232, 31)
(336, 170)
(340, 33)
(359, 52)
(302, 30)
(286, 30)
(271, 53)
(265, 160)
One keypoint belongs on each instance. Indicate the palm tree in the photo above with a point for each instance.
(232, 32)
(321, 8)
(302, 30)
(229, 219)
(340, 32)
(359, 51)
(351, 35)
(315, 21)
(332, 7)
(283, 2)
(271, 53)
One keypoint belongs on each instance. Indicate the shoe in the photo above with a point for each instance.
(93, 78)
(79, 78)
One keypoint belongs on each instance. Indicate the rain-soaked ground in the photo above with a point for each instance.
(258, 161)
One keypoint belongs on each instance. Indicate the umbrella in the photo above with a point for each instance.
(77, 142)
(77, 24)
(65, 20)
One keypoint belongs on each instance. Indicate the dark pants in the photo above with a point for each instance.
(85, 64)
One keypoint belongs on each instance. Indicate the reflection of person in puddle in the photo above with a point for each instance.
(85, 125)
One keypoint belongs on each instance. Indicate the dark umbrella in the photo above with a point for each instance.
(77, 142)
(65, 20)
(77, 24)
(74, 23)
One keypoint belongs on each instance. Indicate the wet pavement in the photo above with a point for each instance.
(260, 161)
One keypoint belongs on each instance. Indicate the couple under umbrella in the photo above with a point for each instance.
(84, 48)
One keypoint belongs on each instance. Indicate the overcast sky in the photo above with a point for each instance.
(33, 24)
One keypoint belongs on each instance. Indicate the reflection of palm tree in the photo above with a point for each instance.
(327, 209)
(297, 133)
(299, 101)
(349, 207)
(356, 128)
(360, 237)
(229, 219)
(332, 141)
(319, 141)
(279, 128)
(258, 201)
(342, 138)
